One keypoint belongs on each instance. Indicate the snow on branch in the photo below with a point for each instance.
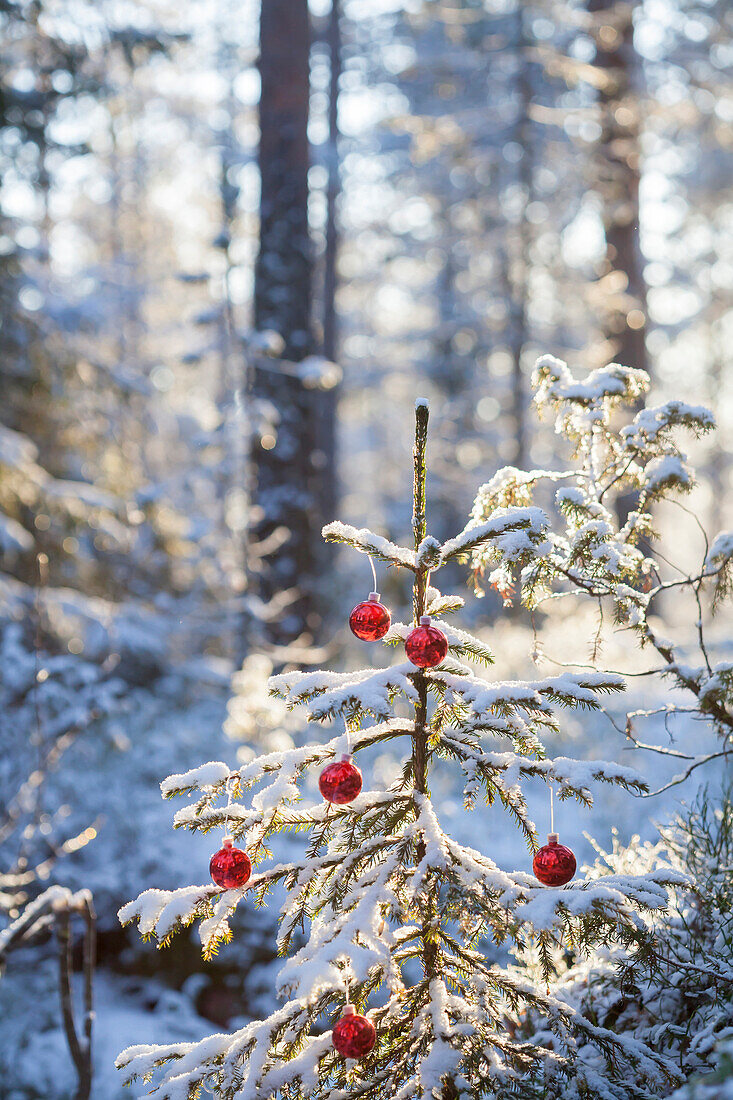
(568, 689)
(667, 472)
(438, 604)
(577, 775)
(37, 915)
(260, 1058)
(654, 423)
(460, 643)
(356, 937)
(720, 559)
(513, 533)
(574, 777)
(657, 1070)
(428, 554)
(500, 897)
(555, 383)
(278, 814)
(614, 894)
(161, 912)
(368, 691)
(368, 543)
(287, 764)
(204, 777)
(721, 549)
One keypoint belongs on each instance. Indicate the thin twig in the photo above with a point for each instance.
(63, 933)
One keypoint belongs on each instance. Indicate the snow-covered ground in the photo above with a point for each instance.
(34, 1059)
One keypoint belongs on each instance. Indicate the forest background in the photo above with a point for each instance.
(235, 246)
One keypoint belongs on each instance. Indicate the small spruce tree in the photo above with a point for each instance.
(398, 916)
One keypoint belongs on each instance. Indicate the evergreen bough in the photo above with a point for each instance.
(593, 554)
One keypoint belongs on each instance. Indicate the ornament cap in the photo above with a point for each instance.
(347, 758)
(349, 1009)
(424, 620)
(552, 838)
(227, 842)
(374, 597)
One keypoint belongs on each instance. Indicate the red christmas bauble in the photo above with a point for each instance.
(340, 782)
(554, 864)
(230, 867)
(426, 646)
(370, 620)
(353, 1035)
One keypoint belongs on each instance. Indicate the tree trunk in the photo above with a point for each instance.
(618, 175)
(330, 273)
(288, 460)
(520, 283)
(330, 319)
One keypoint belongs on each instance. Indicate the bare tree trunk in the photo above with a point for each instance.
(520, 280)
(330, 318)
(80, 1049)
(618, 174)
(330, 259)
(289, 461)
(618, 157)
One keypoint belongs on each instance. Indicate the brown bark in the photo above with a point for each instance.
(287, 473)
(618, 173)
(80, 1049)
(330, 278)
(330, 260)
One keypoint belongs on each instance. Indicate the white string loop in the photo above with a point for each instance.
(228, 788)
(374, 572)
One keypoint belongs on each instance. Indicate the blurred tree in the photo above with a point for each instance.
(618, 166)
(291, 465)
(329, 400)
(78, 426)
(523, 138)
(330, 279)
(484, 187)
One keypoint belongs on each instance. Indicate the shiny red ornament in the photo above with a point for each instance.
(230, 867)
(341, 781)
(426, 646)
(370, 620)
(353, 1035)
(554, 864)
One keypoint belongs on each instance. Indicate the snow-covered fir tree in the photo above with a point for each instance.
(397, 916)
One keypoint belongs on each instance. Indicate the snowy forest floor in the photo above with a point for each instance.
(143, 995)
